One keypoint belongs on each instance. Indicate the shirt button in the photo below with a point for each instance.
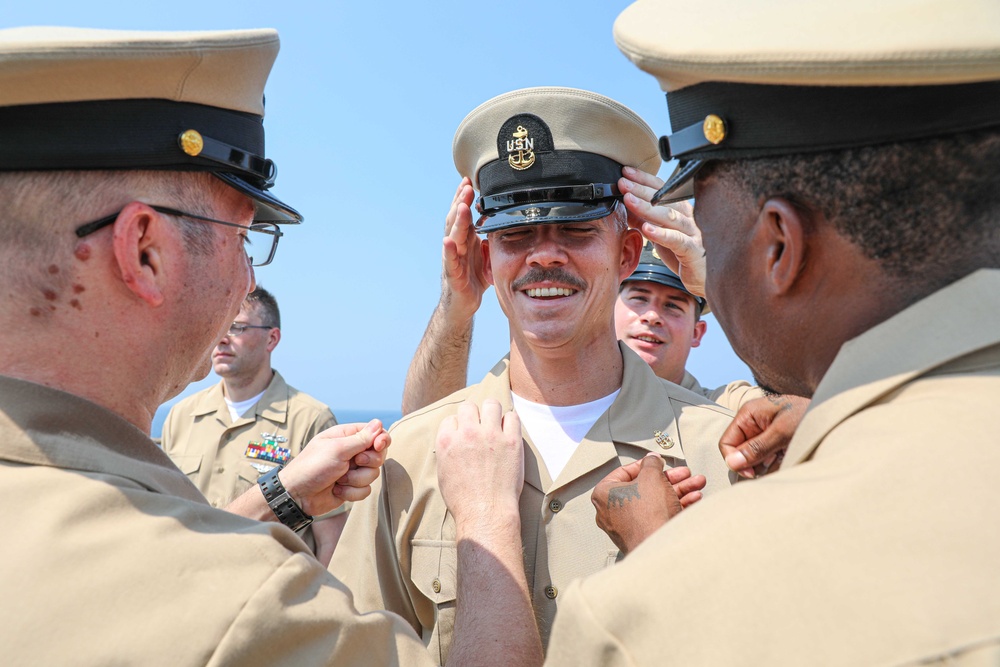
(555, 506)
(220, 469)
(436, 585)
(551, 592)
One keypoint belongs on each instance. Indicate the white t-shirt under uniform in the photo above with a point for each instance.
(557, 430)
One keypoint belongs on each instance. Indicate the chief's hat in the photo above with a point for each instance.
(549, 155)
(652, 269)
(781, 77)
(75, 98)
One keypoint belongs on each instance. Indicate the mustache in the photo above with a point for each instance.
(557, 275)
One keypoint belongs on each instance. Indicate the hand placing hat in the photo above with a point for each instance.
(671, 228)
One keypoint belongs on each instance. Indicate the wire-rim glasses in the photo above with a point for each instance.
(268, 228)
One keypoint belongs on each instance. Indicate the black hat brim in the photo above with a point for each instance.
(545, 213)
(267, 208)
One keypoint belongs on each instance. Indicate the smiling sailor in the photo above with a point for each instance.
(546, 162)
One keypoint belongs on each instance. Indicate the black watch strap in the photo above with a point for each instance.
(282, 504)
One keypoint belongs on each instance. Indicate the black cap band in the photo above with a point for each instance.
(133, 134)
(763, 120)
(727, 121)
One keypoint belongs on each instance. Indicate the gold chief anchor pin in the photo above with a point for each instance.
(663, 440)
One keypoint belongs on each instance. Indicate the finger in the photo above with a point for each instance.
(626, 473)
(358, 477)
(350, 493)
(468, 413)
(690, 485)
(512, 424)
(678, 474)
(382, 441)
(370, 458)
(744, 426)
(491, 414)
(649, 183)
(689, 499)
(448, 427)
(342, 430)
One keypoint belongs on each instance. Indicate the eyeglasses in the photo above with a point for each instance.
(237, 328)
(269, 229)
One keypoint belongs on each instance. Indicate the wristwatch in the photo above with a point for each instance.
(282, 504)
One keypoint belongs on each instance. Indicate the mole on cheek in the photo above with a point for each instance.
(50, 295)
(76, 304)
(36, 312)
(53, 269)
(78, 288)
(82, 251)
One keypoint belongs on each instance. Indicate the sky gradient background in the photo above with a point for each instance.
(362, 105)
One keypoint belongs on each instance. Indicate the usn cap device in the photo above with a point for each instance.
(782, 77)
(73, 98)
(550, 155)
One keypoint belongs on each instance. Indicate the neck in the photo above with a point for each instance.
(242, 388)
(565, 375)
(96, 372)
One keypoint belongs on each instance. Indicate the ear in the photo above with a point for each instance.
(781, 229)
(273, 338)
(699, 331)
(631, 251)
(484, 247)
(139, 239)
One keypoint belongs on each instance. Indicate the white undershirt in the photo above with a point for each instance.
(237, 410)
(557, 430)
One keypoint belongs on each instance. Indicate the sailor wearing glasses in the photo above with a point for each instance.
(227, 436)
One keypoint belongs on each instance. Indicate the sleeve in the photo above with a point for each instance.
(735, 394)
(166, 437)
(578, 638)
(366, 559)
(301, 615)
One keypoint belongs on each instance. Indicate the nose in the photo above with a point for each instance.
(546, 251)
(651, 315)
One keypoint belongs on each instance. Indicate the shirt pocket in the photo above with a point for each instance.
(434, 573)
(189, 464)
(247, 475)
(434, 569)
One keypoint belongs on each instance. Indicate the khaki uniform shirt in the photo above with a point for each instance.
(397, 551)
(112, 557)
(223, 457)
(732, 395)
(877, 543)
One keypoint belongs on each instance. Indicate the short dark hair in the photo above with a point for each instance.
(924, 209)
(267, 305)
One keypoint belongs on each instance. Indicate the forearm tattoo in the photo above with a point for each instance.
(619, 495)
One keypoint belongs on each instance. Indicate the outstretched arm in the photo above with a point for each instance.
(441, 363)
(337, 465)
(480, 460)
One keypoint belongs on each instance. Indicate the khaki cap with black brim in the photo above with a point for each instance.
(77, 99)
(781, 77)
(550, 155)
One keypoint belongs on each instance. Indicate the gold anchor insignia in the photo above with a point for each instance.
(714, 129)
(523, 144)
(191, 142)
(663, 440)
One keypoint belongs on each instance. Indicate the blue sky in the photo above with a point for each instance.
(362, 105)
